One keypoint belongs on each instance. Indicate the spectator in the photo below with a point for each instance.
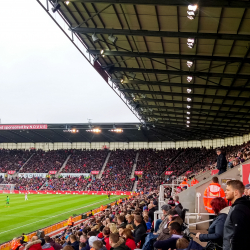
(129, 239)
(84, 239)
(236, 230)
(73, 242)
(98, 245)
(215, 231)
(175, 233)
(106, 233)
(117, 243)
(52, 243)
(221, 162)
(140, 230)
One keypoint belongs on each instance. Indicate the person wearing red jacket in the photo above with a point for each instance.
(212, 191)
(129, 239)
(194, 182)
(106, 233)
(34, 245)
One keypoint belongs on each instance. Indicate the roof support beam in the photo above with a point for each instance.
(170, 56)
(178, 72)
(202, 3)
(134, 91)
(85, 30)
(186, 85)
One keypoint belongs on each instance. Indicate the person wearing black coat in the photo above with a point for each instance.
(215, 231)
(236, 229)
(140, 230)
(221, 162)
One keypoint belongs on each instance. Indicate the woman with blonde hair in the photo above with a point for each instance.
(113, 228)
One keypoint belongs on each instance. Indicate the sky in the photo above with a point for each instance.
(44, 78)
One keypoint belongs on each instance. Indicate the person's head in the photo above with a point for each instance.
(218, 151)
(82, 245)
(67, 247)
(113, 228)
(97, 245)
(91, 233)
(234, 190)
(215, 179)
(165, 209)
(34, 238)
(72, 238)
(146, 218)
(130, 218)
(176, 198)
(106, 231)
(171, 213)
(83, 238)
(218, 204)
(120, 219)
(120, 230)
(175, 228)
(92, 239)
(130, 227)
(47, 239)
(23, 233)
(182, 243)
(137, 220)
(113, 239)
(247, 189)
(127, 234)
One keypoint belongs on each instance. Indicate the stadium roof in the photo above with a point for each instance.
(151, 55)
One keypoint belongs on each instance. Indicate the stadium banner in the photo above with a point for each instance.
(245, 173)
(74, 175)
(11, 172)
(23, 126)
(31, 175)
(94, 172)
(70, 192)
(138, 172)
(168, 172)
(215, 171)
(52, 172)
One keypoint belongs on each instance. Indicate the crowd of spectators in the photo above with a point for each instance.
(85, 161)
(45, 161)
(66, 184)
(116, 175)
(13, 159)
(22, 184)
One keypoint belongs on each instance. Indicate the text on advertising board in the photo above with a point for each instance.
(23, 126)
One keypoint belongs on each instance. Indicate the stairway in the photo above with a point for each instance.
(135, 186)
(26, 162)
(134, 166)
(63, 166)
(103, 166)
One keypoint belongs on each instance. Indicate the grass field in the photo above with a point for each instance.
(42, 210)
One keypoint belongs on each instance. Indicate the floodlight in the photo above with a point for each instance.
(188, 106)
(189, 78)
(189, 90)
(190, 64)
(192, 7)
(189, 99)
(121, 80)
(188, 113)
(188, 122)
(112, 38)
(67, 2)
(190, 42)
(102, 52)
(188, 126)
(117, 130)
(95, 38)
(56, 7)
(188, 117)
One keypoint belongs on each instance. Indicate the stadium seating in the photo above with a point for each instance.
(43, 162)
(85, 161)
(116, 175)
(13, 159)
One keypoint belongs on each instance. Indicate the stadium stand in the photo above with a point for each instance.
(43, 162)
(13, 159)
(116, 175)
(85, 161)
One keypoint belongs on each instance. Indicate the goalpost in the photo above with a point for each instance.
(7, 188)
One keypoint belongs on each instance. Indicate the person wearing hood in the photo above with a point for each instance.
(236, 229)
(215, 231)
(35, 244)
(117, 243)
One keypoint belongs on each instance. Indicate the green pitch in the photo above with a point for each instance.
(42, 210)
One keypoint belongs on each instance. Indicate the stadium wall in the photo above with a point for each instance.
(237, 140)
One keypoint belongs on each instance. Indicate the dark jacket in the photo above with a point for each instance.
(75, 245)
(221, 162)
(166, 244)
(236, 228)
(120, 245)
(215, 231)
(139, 232)
(55, 245)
